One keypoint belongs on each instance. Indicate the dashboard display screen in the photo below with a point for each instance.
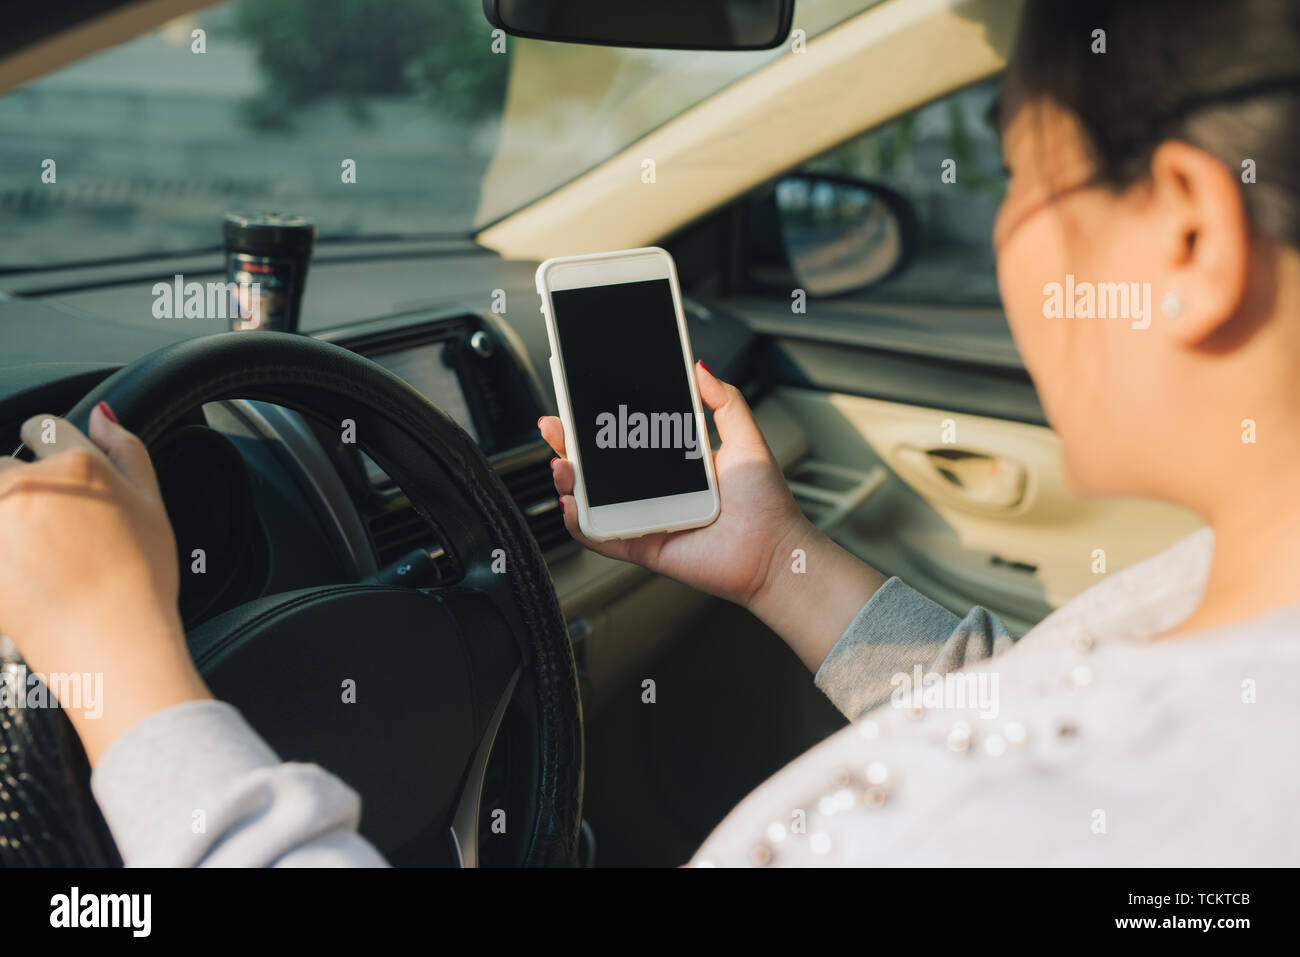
(627, 385)
(425, 368)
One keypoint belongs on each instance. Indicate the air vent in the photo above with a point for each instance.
(531, 486)
(400, 529)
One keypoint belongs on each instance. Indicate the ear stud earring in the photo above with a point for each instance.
(1171, 306)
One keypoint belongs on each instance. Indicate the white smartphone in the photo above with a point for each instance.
(625, 385)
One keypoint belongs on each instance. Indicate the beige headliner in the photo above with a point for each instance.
(877, 65)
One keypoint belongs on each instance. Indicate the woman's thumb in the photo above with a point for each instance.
(731, 412)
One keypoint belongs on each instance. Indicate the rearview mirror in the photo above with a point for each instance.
(828, 235)
(664, 24)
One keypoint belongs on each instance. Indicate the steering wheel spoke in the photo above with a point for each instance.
(465, 822)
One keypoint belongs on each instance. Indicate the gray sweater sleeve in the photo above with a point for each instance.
(896, 630)
(195, 786)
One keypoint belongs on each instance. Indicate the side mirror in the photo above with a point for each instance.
(828, 234)
(664, 24)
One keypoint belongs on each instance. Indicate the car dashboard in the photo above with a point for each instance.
(473, 368)
(273, 500)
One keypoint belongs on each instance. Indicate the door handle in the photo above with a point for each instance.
(969, 477)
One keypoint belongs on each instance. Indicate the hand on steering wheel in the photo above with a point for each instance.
(443, 671)
(88, 575)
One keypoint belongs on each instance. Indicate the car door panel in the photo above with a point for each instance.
(940, 511)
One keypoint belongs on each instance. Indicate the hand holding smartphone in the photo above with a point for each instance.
(624, 381)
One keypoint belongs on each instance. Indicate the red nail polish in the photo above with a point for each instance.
(107, 412)
(703, 366)
(554, 460)
(539, 421)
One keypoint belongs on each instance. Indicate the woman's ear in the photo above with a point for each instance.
(1205, 242)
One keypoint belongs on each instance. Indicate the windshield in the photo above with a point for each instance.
(378, 118)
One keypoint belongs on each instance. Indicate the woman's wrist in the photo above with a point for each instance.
(813, 590)
(797, 536)
(136, 674)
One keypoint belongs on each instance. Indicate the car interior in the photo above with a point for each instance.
(830, 267)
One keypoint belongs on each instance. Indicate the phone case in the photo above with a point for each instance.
(566, 411)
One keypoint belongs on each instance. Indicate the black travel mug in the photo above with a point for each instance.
(266, 257)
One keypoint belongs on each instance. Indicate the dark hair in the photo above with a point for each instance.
(1222, 76)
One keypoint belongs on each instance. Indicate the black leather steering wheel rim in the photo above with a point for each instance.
(458, 491)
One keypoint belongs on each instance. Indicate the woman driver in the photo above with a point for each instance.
(1148, 721)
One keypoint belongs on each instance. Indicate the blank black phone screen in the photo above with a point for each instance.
(627, 384)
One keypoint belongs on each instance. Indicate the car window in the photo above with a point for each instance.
(944, 158)
(377, 118)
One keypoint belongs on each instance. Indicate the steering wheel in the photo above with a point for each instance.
(431, 672)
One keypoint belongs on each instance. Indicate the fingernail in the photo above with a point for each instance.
(539, 421)
(554, 460)
(106, 412)
(703, 366)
